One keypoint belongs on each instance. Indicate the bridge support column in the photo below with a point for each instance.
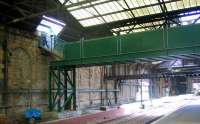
(62, 88)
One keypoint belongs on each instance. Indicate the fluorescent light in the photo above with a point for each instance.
(54, 20)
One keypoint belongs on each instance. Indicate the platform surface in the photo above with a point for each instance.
(189, 114)
(133, 114)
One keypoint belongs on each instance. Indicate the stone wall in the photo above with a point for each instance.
(92, 78)
(88, 78)
(27, 73)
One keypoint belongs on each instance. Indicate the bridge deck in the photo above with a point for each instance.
(158, 45)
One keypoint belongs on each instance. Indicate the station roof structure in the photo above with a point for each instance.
(98, 18)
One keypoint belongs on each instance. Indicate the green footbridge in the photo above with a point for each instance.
(149, 44)
(160, 44)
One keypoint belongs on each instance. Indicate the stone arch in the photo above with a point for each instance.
(20, 69)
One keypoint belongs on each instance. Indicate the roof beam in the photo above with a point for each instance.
(36, 14)
(22, 11)
(80, 3)
(164, 10)
(150, 18)
(131, 9)
(87, 6)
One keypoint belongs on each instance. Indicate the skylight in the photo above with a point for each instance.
(50, 25)
(105, 11)
(96, 12)
(193, 19)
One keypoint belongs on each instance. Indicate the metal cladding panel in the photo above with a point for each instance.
(143, 41)
(185, 36)
(100, 47)
(72, 51)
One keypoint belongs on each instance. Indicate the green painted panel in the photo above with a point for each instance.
(72, 51)
(184, 36)
(174, 41)
(142, 41)
(100, 47)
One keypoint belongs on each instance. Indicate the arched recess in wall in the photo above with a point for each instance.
(19, 70)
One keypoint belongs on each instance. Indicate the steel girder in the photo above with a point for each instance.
(154, 75)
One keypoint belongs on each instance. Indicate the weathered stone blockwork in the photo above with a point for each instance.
(27, 73)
